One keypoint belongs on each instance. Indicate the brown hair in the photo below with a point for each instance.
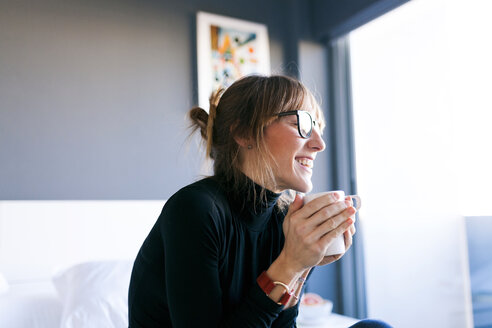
(244, 110)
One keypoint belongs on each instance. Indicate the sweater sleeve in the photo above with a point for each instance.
(287, 318)
(192, 237)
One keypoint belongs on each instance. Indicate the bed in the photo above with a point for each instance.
(68, 263)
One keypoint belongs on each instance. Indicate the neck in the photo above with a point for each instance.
(251, 172)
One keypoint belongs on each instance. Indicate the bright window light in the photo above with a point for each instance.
(421, 79)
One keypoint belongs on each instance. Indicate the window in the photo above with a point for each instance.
(422, 121)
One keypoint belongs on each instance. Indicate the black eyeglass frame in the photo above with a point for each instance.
(296, 113)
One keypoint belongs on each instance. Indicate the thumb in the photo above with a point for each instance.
(297, 203)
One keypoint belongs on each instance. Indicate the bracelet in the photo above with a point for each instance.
(267, 285)
(300, 282)
(278, 283)
(295, 296)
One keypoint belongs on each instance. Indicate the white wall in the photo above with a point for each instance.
(420, 113)
(37, 237)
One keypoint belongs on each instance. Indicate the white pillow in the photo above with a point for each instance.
(30, 305)
(95, 294)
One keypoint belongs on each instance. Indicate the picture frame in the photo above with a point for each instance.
(227, 49)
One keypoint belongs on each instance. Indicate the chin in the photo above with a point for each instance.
(295, 182)
(304, 187)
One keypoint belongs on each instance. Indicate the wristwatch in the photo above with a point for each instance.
(267, 285)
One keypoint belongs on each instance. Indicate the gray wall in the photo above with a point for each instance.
(93, 94)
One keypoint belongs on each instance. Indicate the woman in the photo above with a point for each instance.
(226, 251)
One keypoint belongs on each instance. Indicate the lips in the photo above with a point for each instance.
(306, 162)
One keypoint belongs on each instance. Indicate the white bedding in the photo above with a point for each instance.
(94, 294)
(68, 263)
(30, 305)
(91, 294)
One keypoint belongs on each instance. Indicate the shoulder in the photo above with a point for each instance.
(203, 200)
(202, 193)
(195, 217)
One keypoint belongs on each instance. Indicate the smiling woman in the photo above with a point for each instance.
(292, 153)
(226, 249)
(237, 130)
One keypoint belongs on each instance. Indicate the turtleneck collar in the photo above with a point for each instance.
(253, 207)
(261, 203)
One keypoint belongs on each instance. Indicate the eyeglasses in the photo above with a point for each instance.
(305, 122)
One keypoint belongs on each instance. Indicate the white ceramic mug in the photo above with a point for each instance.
(338, 245)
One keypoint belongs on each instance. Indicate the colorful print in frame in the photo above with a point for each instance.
(227, 49)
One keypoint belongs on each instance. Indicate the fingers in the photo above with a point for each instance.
(339, 230)
(318, 203)
(328, 212)
(293, 208)
(310, 227)
(352, 229)
(332, 223)
(347, 236)
(296, 204)
(330, 259)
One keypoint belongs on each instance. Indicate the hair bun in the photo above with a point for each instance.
(199, 120)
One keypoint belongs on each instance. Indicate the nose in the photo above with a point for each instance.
(315, 142)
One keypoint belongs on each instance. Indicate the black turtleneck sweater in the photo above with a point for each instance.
(199, 264)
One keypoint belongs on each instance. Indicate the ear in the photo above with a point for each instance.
(243, 142)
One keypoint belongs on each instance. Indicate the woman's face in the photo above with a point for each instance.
(293, 155)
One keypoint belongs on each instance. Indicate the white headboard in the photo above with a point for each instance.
(37, 237)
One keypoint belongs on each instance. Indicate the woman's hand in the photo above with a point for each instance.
(311, 228)
(308, 231)
(347, 235)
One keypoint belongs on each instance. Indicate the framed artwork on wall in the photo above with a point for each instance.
(227, 49)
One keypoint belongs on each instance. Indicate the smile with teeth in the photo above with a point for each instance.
(305, 162)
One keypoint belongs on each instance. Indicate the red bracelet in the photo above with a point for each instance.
(267, 285)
